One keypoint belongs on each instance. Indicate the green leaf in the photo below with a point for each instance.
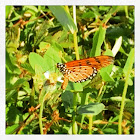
(13, 114)
(117, 46)
(8, 10)
(16, 85)
(11, 90)
(9, 65)
(92, 108)
(21, 95)
(43, 45)
(36, 59)
(42, 33)
(130, 60)
(123, 51)
(106, 77)
(129, 104)
(74, 86)
(64, 18)
(98, 39)
(39, 78)
(108, 52)
(67, 99)
(32, 8)
(105, 73)
(119, 99)
(110, 13)
(115, 32)
(28, 67)
(89, 14)
(10, 94)
(51, 57)
(104, 8)
(11, 129)
(13, 38)
(109, 131)
(19, 82)
(38, 70)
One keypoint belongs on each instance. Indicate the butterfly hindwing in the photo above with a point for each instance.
(81, 74)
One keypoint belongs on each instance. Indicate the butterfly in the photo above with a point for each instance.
(84, 69)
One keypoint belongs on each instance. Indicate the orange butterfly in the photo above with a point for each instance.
(84, 69)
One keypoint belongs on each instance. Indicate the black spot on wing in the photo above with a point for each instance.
(88, 62)
(97, 60)
(80, 64)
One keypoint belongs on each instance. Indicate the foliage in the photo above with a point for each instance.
(38, 37)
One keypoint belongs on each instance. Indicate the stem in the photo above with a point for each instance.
(84, 100)
(74, 127)
(75, 35)
(76, 46)
(41, 101)
(90, 124)
(124, 93)
(40, 118)
(126, 11)
(32, 96)
(100, 95)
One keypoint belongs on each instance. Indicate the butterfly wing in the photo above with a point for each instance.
(101, 61)
(81, 74)
(97, 62)
(81, 70)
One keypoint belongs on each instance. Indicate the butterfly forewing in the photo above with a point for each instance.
(97, 62)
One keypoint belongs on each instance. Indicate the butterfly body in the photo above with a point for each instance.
(84, 69)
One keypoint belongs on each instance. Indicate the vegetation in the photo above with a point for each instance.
(38, 37)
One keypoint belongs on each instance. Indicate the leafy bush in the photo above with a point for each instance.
(38, 37)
